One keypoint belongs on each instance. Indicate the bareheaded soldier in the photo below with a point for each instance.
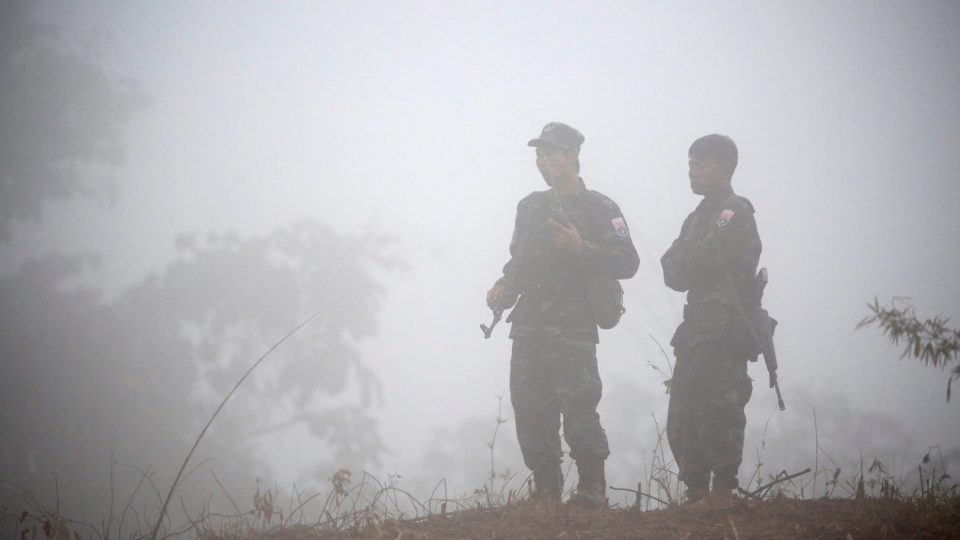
(714, 261)
(562, 237)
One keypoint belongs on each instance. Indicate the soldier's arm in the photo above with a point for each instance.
(513, 266)
(612, 252)
(674, 266)
(674, 261)
(731, 237)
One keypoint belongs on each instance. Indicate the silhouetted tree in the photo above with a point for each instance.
(234, 297)
(931, 341)
(62, 119)
(83, 378)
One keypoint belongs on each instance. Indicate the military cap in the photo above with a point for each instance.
(559, 135)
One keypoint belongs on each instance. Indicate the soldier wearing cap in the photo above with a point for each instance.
(714, 261)
(562, 236)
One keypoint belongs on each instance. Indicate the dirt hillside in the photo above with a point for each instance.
(769, 519)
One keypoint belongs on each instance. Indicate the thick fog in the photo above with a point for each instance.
(365, 159)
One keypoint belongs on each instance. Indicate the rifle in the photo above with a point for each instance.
(761, 327)
(488, 330)
(498, 311)
(765, 327)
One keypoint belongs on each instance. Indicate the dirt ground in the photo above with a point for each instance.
(769, 519)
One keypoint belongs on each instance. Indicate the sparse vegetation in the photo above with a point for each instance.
(866, 499)
(868, 503)
(929, 340)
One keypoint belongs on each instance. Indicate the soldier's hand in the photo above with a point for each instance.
(566, 236)
(495, 295)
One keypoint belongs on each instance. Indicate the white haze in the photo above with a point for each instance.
(412, 118)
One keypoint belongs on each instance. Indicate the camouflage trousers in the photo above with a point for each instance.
(554, 379)
(705, 419)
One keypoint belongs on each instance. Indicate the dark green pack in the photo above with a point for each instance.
(605, 298)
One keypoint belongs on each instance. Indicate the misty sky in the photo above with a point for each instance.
(412, 118)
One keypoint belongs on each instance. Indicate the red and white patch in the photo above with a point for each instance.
(620, 226)
(724, 218)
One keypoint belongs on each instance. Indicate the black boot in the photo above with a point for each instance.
(725, 479)
(697, 487)
(592, 487)
(695, 494)
(724, 484)
(547, 481)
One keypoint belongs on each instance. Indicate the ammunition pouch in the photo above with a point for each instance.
(706, 312)
(714, 322)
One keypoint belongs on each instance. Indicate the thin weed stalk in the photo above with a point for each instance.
(183, 466)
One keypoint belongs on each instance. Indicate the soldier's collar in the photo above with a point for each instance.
(717, 198)
(581, 189)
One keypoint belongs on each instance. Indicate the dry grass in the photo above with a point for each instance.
(867, 501)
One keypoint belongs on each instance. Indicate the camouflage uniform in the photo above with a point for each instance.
(715, 257)
(553, 370)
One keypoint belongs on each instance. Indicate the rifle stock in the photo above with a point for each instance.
(761, 326)
(488, 330)
(765, 327)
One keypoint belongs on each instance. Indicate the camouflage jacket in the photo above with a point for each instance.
(715, 257)
(551, 282)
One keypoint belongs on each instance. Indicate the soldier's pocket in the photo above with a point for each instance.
(704, 321)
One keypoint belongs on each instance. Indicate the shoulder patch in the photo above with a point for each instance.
(725, 218)
(620, 226)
